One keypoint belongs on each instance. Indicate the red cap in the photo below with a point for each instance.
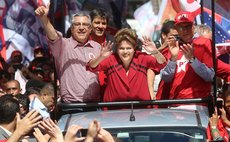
(16, 53)
(184, 17)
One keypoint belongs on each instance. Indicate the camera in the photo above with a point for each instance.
(219, 104)
(179, 39)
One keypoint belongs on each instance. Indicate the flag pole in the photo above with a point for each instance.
(202, 10)
(214, 51)
(51, 13)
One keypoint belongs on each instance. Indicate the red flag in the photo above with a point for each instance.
(2, 40)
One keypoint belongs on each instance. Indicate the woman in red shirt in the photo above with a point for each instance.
(126, 68)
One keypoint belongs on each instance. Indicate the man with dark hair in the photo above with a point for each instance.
(11, 126)
(4, 77)
(99, 20)
(9, 107)
(168, 29)
(44, 101)
(13, 87)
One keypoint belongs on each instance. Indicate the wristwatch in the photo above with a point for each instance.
(213, 127)
(191, 60)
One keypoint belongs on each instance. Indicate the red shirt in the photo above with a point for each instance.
(121, 87)
(163, 87)
(223, 70)
(186, 83)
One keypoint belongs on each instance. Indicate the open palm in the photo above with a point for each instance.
(148, 44)
(106, 49)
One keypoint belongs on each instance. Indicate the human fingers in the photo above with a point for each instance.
(39, 136)
(40, 11)
(223, 112)
(92, 129)
(71, 133)
(98, 125)
(30, 113)
(171, 38)
(77, 139)
(110, 45)
(45, 125)
(32, 118)
(105, 136)
(18, 117)
(36, 119)
(144, 37)
(34, 115)
(73, 129)
(48, 5)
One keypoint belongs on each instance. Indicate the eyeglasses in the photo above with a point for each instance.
(185, 27)
(78, 25)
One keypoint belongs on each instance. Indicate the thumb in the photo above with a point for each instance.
(47, 5)
(177, 43)
(18, 117)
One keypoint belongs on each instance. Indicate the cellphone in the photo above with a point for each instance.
(157, 43)
(219, 104)
(81, 133)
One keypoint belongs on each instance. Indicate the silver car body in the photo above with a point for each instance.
(189, 123)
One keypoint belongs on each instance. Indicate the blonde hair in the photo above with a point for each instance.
(200, 29)
(126, 34)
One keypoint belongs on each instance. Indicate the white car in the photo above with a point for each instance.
(141, 125)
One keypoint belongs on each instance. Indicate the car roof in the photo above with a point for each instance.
(143, 118)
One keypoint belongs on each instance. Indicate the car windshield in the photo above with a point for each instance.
(166, 135)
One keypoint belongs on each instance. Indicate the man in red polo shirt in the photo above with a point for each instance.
(191, 70)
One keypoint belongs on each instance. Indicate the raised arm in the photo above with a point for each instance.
(151, 48)
(42, 12)
(25, 125)
(106, 51)
(167, 74)
(213, 122)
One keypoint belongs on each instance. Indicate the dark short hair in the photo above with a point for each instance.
(101, 13)
(167, 25)
(9, 107)
(48, 89)
(23, 100)
(33, 83)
